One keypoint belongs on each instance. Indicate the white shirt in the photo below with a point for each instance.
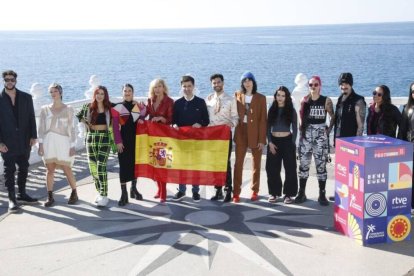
(222, 110)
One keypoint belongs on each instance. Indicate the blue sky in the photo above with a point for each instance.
(138, 14)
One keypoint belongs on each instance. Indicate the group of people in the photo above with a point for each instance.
(245, 113)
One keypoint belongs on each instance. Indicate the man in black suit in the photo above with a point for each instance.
(17, 136)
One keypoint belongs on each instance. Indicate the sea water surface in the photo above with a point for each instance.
(374, 53)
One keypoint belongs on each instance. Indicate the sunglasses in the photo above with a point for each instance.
(375, 93)
(313, 84)
(9, 80)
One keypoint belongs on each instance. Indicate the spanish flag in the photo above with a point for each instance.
(187, 155)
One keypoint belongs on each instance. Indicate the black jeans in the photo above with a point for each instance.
(229, 181)
(10, 162)
(286, 152)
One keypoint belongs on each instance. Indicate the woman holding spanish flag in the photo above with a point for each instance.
(160, 110)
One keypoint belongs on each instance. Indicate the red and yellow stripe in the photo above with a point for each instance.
(187, 155)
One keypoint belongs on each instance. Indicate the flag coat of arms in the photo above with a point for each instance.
(186, 155)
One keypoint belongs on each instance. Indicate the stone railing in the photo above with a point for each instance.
(38, 100)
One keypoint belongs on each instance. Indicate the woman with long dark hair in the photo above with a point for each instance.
(383, 116)
(282, 130)
(125, 116)
(97, 118)
(250, 133)
(406, 129)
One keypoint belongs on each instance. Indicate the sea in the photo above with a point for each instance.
(375, 54)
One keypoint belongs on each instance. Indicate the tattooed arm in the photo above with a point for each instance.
(360, 111)
(330, 110)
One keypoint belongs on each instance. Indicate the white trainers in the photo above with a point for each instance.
(97, 198)
(103, 202)
(13, 207)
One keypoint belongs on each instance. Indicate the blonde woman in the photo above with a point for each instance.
(57, 139)
(160, 110)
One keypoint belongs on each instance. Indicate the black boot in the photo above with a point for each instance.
(322, 193)
(22, 196)
(124, 196)
(301, 197)
(227, 198)
(218, 195)
(50, 200)
(73, 197)
(322, 197)
(133, 193)
(13, 206)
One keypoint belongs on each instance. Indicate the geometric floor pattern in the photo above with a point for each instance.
(184, 238)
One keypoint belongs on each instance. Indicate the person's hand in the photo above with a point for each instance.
(197, 125)
(87, 124)
(33, 142)
(40, 151)
(72, 152)
(260, 146)
(159, 119)
(120, 147)
(175, 127)
(140, 121)
(272, 148)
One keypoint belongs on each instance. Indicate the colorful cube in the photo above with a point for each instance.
(373, 188)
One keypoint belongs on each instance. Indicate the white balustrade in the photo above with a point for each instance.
(38, 99)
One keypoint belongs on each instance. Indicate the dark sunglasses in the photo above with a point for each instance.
(375, 93)
(313, 84)
(9, 80)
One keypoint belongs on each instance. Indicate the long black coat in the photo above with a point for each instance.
(16, 135)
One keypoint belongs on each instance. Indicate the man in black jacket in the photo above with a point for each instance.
(189, 110)
(350, 110)
(17, 136)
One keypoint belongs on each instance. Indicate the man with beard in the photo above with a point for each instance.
(350, 111)
(222, 110)
(17, 136)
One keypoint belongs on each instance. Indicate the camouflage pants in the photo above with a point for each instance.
(315, 142)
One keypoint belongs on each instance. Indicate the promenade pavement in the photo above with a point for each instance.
(183, 238)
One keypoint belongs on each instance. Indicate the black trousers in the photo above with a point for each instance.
(286, 152)
(10, 162)
(229, 181)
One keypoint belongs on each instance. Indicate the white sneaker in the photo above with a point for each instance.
(103, 202)
(13, 207)
(98, 198)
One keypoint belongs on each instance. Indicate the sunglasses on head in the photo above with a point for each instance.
(375, 93)
(313, 84)
(9, 80)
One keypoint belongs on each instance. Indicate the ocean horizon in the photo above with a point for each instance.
(375, 53)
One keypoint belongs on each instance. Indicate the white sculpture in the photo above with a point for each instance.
(94, 81)
(37, 92)
(300, 91)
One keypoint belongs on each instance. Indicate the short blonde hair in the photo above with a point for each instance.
(155, 82)
(58, 87)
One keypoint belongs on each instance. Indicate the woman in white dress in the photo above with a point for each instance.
(57, 139)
